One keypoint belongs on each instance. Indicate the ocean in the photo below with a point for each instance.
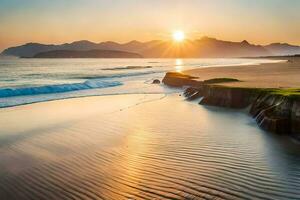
(24, 81)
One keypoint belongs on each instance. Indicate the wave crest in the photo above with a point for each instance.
(59, 88)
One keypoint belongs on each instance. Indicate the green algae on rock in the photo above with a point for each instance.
(274, 109)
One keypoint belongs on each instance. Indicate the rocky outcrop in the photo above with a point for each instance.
(272, 111)
(275, 113)
(175, 79)
(192, 93)
(226, 97)
(295, 118)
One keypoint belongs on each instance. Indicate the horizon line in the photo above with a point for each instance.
(146, 41)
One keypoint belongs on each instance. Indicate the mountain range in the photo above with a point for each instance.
(204, 47)
(96, 53)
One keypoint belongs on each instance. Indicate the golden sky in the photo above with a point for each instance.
(60, 21)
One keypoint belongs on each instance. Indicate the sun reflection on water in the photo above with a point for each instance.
(179, 65)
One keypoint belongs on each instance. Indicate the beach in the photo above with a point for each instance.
(142, 147)
(283, 74)
(148, 146)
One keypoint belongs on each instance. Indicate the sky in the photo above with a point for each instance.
(60, 21)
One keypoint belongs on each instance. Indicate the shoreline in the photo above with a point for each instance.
(188, 72)
(21, 95)
(265, 75)
(273, 97)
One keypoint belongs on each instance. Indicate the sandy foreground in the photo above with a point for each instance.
(141, 147)
(273, 75)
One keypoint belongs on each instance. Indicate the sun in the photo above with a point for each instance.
(178, 36)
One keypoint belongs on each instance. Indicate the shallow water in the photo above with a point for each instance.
(141, 147)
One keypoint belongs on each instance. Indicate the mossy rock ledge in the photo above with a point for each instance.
(275, 110)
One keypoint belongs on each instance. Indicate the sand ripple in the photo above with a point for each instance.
(144, 153)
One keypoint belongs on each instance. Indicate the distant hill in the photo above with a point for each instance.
(86, 54)
(31, 49)
(210, 47)
(204, 47)
(279, 49)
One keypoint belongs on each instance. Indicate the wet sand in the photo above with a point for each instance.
(273, 75)
(141, 147)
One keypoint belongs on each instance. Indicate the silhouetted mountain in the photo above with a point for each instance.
(86, 54)
(82, 45)
(204, 47)
(279, 49)
(211, 47)
(29, 49)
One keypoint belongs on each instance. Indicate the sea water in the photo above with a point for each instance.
(24, 81)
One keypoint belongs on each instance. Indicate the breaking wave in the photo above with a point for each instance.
(59, 88)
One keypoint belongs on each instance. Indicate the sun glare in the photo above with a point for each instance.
(178, 36)
(178, 65)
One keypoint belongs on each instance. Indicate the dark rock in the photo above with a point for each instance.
(295, 119)
(269, 120)
(156, 81)
(273, 113)
(226, 97)
(193, 93)
(175, 79)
